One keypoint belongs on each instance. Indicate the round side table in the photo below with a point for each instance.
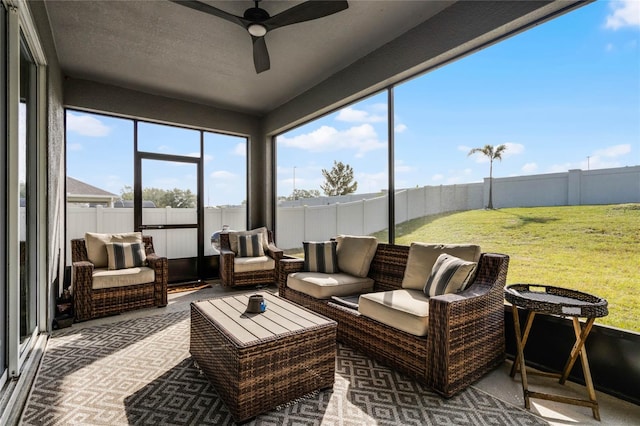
(549, 300)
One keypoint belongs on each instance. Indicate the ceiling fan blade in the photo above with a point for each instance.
(305, 12)
(203, 7)
(260, 54)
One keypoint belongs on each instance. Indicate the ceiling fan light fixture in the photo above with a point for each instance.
(257, 30)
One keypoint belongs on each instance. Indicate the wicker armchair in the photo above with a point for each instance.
(236, 271)
(89, 302)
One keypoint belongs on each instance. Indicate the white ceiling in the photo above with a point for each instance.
(163, 48)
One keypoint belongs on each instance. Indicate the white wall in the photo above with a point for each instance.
(363, 217)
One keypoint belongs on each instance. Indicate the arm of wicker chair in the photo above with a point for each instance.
(160, 266)
(82, 285)
(286, 267)
(275, 252)
(226, 266)
(466, 330)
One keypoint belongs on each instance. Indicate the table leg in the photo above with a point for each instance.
(581, 336)
(525, 337)
(580, 349)
(520, 355)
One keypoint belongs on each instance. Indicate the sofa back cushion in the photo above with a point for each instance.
(321, 256)
(423, 256)
(96, 244)
(262, 231)
(355, 254)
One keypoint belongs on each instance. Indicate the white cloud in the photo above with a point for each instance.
(223, 175)
(624, 13)
(401, 167)
(561, 168)
(86, 125)
(352, 115)
(400, 128)
(529, 168)
(74, 147)
(437, 177)
(380, 107)
(513, 149)
(361, 138)
(613, 151)
(240, 149)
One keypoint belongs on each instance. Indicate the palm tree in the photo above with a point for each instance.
(493, 154)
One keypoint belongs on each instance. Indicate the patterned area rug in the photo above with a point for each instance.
(140, 372)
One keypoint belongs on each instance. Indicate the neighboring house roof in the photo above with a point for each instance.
(81, 192)
(76, 187)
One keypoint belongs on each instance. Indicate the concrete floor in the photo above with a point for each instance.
(498, 383)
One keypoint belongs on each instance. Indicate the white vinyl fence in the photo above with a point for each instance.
(365, 216)
(173, 243)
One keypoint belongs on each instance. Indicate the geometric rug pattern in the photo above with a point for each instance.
(140, 372)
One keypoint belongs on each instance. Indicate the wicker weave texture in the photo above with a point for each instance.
(256, 378)
(91, 303)
(556, 300)
(465, 339)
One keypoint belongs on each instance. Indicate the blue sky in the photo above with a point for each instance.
(563, 95)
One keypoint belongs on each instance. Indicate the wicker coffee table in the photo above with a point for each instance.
(259, 361)
(544, 299)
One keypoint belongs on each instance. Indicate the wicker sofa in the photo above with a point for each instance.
(465, 337)
(90, 302)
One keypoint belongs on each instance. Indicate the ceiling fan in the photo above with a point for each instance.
(258, 22)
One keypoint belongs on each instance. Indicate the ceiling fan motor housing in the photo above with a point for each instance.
(255, 14)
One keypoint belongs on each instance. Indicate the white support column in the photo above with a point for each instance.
(13, 201)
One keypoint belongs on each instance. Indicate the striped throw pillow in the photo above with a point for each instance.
(320, 257)
(449, 274)
(125, 255)
(250, 245)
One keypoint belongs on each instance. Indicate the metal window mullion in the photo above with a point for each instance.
(392, 185)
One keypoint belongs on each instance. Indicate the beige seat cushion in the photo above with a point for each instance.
(96, 244)
(423, 256)
(252, 264)
(406, 310)
(110, 278)
(323, 286)
(233, 238)
(355, 254)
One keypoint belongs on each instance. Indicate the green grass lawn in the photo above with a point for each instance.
(595, 249)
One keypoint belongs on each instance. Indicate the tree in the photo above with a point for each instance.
(493, 154)
(177, 198)
(299, 194)
(338, 180)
